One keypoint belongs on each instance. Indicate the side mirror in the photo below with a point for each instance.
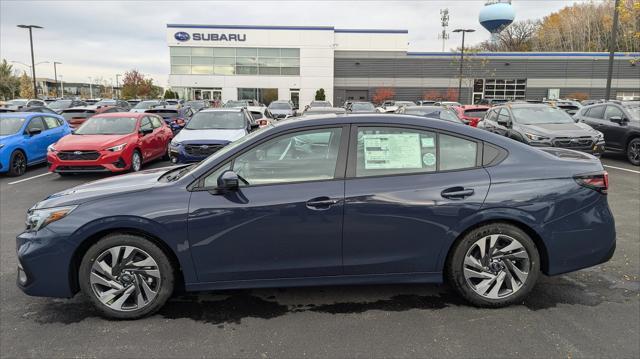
(616, 119)
(228, 181)
(35, 131)
(146, 131)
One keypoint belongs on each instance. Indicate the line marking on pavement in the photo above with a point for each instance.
(30, 178)
(614, 167)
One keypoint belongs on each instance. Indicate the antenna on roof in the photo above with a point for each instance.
(444, 18)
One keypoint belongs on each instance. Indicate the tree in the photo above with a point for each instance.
(320, 96)
(581, 96)
(134, 85)
(451, 95)
(382, 94)
(432, 95)
(170, 94)
(26, 86)
(9, 82)
(518, 36)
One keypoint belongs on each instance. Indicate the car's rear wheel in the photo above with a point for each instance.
(136, 161)
(494, 265)
(17, 164)
(633, 151)
(126, 276)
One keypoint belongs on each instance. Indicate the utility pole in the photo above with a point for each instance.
(612, 50)
(90, 88)
(55, 74)
(33, 63)
(117, 87)
(463, 31)
(444, 18)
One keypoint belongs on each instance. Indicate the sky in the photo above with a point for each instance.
(99, 39)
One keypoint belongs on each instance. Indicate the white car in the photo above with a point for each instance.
(261, 115)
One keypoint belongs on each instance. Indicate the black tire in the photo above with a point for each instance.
(455, 265)
(133, 155)
(166, 156)
(17, 164)
(65, 174)
(167, 275)
(633, 151)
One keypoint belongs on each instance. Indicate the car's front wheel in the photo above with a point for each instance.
(494, 265)
(17, 164)
(633, 151)
(136, 161)
(126, 276)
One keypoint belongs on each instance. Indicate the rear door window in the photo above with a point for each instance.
(156, 122)
(613, 111)
(36, 122)
(596, 112)
(51, 122)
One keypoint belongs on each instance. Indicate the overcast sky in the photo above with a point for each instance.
(102, 38)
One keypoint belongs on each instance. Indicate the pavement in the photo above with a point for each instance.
(590, 313)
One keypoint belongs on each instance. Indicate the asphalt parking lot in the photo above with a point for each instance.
(590, 313)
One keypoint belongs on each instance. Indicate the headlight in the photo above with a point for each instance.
(117, 148)
(175, 144)
(533, 137)
(51, 148)
(1, 145)
(599, 135)
(40, 218)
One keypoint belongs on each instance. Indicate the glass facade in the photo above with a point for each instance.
(234, 61)
(512, 89)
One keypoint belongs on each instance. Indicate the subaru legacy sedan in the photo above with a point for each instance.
(340, 200)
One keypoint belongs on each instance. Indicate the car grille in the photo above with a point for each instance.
(78, 155)
(80, 168)
(573, 142)
(201, 150)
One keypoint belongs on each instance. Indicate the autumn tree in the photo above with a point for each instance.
(518, 36)
(26, 86)
(134, 85)
(382, 94)
(320, 96)
(581, 96)
(431, 95)
(450, 95)
(9, 82)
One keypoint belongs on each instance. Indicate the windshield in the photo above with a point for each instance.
(635, 113)
(280, 106)
(107, 126)
(362, 107)
(475, 113)
(437, 113)
(195, 104)
(217, 120)
(106, 103)
(10, 125)
(540, 115)
(145, 104)
(60, 104)
(17, 102)
(231, 104)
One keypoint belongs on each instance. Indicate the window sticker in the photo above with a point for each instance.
(428, 142)
(429, 159)
(392, 151)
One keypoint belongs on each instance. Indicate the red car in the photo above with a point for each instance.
(111, 142)
(472, 114)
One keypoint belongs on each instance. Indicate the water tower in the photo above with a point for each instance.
(496, 15)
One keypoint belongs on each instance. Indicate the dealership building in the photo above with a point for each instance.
(231, 62)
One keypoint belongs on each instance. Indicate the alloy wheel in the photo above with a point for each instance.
(496, 266)
(125, 278)
(634, 152)
(136, 162)
(19, 164)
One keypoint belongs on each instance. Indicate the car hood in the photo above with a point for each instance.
(108, 187)
(7, 137)
(560, 129)
(89, 142)
(225, 135)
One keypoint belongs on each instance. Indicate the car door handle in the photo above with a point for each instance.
(457, 192)
(320, 203)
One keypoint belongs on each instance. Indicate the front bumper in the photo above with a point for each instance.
(595, 149)
(44, 260)
(179, 154)
(107, 162)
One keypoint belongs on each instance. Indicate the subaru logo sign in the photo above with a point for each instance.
(182, 36)
(77, 153)
(204, 147)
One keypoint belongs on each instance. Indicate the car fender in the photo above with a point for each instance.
(493, 214)
(93, 230)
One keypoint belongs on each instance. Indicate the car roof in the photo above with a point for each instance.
(22, 114)
(219, 109)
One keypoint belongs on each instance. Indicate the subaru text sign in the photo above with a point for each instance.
(183, 36)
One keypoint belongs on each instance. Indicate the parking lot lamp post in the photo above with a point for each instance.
(90, 88)
(55, 75)
(62, 86)
(33, 63)
(463, 31)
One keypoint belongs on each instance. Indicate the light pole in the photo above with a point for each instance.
(612, 50)
(55, 74)
(90, 88)
(33, 63)
(62, 86)
(463, 31)
(117, 87)
(29, 66)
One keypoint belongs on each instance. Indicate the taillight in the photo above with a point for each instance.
(179, 121)
(596, 181)
(262, 122)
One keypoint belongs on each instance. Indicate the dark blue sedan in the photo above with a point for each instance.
(356, 199)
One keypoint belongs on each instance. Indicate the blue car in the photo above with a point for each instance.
(24, 138)
(359, 199)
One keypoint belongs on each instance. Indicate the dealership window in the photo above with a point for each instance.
(263, 95)
(235, 61)
(628, 95)
(512, 89)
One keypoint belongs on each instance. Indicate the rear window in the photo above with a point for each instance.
(475, 113)
(68, 115)
(165, 113)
